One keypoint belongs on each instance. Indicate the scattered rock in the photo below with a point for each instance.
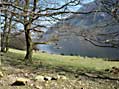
(1, 74)
(38, 87)
(58, 77)
(26, 74)
(63, 77)
(114, 70)
(76, 75)
(22, 79)
(91, 75)
(4, 68)
(1, 54)
(20, 82)
(31, 84)
(39, 78)
(62, 73)
(54, 78)
(47, 78)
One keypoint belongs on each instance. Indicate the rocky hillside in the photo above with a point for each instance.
(97, 25)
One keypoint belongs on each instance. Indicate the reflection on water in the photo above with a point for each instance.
(80, 47)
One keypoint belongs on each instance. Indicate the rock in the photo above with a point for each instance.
(39, 78)
(22, 79)
(38, 87)
(63, 77)
(20, 82)
(76, 75)
(62, 73)
(1, 54)
(4, 68)
(114, 70)
(91, 75)
(26, 74)
(47, 78)
(54, 78)
(1, 74)
(58, 76)
(31, 84)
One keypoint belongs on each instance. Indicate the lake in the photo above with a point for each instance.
(78, 46)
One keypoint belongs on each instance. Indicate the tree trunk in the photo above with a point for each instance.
(8, 35)
(3, 37)
(3, 42)
(7, 40)
(28, 57)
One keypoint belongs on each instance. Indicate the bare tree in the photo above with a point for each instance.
(111, 7)
(7, 21)
(27, 12)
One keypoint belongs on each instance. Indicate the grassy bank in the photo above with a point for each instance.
(75, 62)
(79, 72)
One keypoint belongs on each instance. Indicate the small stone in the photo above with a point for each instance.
(20, 82)
(1, 74)
(47, 78)
(39, 78)
(63, 77)
(1, 54)
(4, 68)
(54, 78)
(32, 84)
(38, 87)
(62, 73)
(22, 79)
(58, 76)
(76, 75)
(26, 75)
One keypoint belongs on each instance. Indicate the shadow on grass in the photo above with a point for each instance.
(16, 60)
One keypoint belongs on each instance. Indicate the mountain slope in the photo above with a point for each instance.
(92, 34)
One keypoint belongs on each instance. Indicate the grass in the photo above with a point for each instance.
(75, 62)
(12, 64)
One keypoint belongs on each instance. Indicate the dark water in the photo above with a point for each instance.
(80, 47)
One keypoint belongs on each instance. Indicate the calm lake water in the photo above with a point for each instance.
(80, 47)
